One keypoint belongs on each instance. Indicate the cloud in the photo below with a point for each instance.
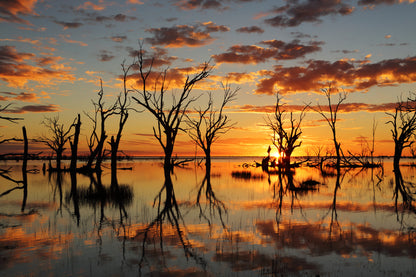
(69, 25)
(158, 56)
(379, 2)
(251, 29)
(278, 50)
(118, 38)
(175, 78)
(44, 61)
(23, 96)
(16, 70)
(195, 4)
(67, 39)
(105, 56)
(206, 4)
(24, 40)
(89, 5)
(102, 18)
(185, 35)
(137, 2)
(318, 73)
(343, 108)
(295, 13)
(11, 10)
(35, 109)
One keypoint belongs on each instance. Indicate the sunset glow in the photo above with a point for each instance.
(53, 55)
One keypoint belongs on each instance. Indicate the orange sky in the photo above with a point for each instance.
(53, 55)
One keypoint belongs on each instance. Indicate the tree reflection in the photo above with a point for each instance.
(20, 184)
(213, 204)
(406, 190)
(168, 212)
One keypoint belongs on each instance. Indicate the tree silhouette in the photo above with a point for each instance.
(168, 119)
(331, 119)
(98, 135)
(122, 110)
(58, 138)
(206, 128)
(286, 131)
(403, 123)
(74, 144)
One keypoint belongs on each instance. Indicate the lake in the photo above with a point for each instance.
(238, 221)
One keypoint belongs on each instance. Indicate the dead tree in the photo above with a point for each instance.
(57, 139)
(286, 131)
(122, 110)
(205, 129)
(168, 119)
(331, 119)
(403, 126)
(98, 135)
(74, 145)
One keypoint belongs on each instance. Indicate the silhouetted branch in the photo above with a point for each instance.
(210, 124)
(286, 131)
(170, 118)
(8, 118)
(331, 118)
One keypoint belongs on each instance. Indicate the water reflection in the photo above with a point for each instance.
(226, 220)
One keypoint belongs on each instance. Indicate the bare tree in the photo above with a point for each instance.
(286, 131)
(58, 138)
(74, 144)
(331, 119)
(403, 126)
(98, 135)
(169, 119)
(210, 124)
(122, 110)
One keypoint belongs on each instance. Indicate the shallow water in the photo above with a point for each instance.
(239, 222)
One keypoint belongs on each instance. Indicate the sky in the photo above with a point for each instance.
(54, 53)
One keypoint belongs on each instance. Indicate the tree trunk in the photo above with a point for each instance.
(398, 149)
(58, 159)
(24, 168)
(208, 157)
(74, 146)
(114, 149)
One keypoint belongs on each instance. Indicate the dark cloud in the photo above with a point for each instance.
(8, 54)
(185, 35)
(10, 11)
(343, 108)
(346, 51)
(278, 50)
(251, 29)
(35, 109)
(295, 13)
(207, 4)
(158, 56)
(356, 239)
(122, 17)
(377, 2)
(105, 56)
(22, 96)
(318, 73)
(195, 4)
(68, 25)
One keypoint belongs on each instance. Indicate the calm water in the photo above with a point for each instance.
(238, 222)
